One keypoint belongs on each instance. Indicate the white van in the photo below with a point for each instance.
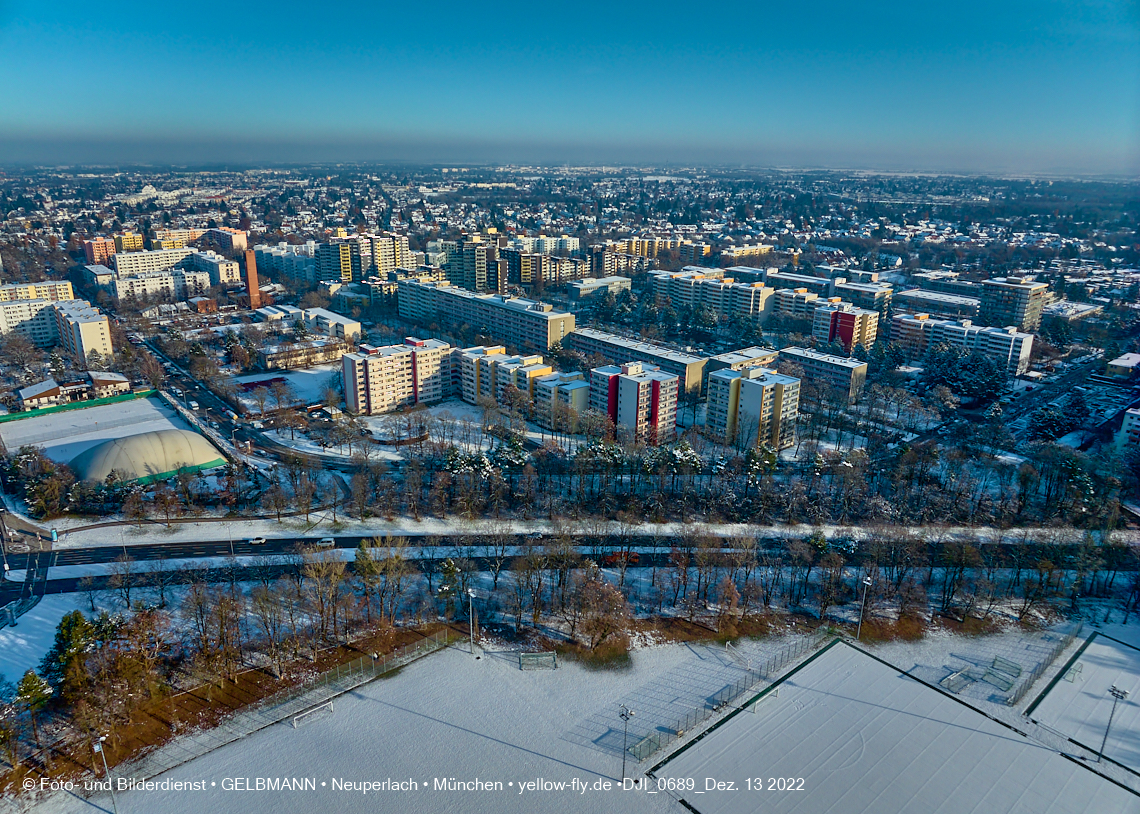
(326, 542)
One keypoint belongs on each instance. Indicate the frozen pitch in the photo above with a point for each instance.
(1077, 703)
(865, 738)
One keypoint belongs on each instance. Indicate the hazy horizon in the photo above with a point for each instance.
(1011, 87)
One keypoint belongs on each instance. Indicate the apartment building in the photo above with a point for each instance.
(618, 350)
(131, 264)
(709, 288)
(640, 398)
(799, 303)
(514, 321)
(82, 329)
(872, 296)
(176, 284)
(822, 286)
(34, 319)
(338, 326)
(842, 322)
(825, 370)
(747, 250)
(230, 240)
(98, 250)
(222, 270)
(185, 236)
(558, 397)
(937, 303)
(1007, 346)
(295, 263)
(739, 359)
(529, 269)
(333, 261)
(753, 406)
(487, 371)
(52, 290)
(287, 356)
(592, 288)
(1016, 301)
(129, 242)
(381, 379)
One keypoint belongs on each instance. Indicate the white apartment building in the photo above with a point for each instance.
(130, 264)
(176, 284)
(825, 370)
(331, 324)
(570, 390)
(511, 320)
(641, 400)
(753, 406)
(1007, 346)
(619, 350)
(381, 379)
(699, 287)
(34, 319)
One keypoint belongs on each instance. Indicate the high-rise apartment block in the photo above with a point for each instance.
(753, 406)
(641, 400)
(592, 288)
(294, 263)
(696, 287)
(129, 264)
(83, 329)
(98, 250)
(487, 372)
(799, 303)
(1015, 301)
(129, 242)
(1009, 347)
(842, 322)
(618, 350)
(334, 261)
(526, 324)
(49, 290)
(872, 296)
(937, 303)
(171, 284)
(381, 379)
(530, 269)
(839, 373)
(222, 270)
(558, 398)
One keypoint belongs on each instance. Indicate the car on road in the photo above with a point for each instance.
(256, 541)
(326, 542)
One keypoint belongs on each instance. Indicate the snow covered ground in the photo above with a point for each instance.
(22, 647)
(308, 384)
(852, 734)
(64, 435)
(1079, 708)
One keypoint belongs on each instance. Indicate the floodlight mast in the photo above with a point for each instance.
(471, 617)
(862, 607)
(625, 714)
(1118, 695)
(98, 746)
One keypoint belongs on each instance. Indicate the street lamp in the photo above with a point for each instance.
(625, 714)
(471, 617)
(1118, 695)
(98, 745)
(862, 607)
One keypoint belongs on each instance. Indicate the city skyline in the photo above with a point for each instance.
(1006, 88)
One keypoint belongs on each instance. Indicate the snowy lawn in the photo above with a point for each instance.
(23, 647)
(307, 384)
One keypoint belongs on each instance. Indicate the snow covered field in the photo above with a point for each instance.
(307, 384)
(64, 435)
(864, 737)
(1079, 708)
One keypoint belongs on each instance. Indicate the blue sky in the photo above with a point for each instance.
(1005, 85)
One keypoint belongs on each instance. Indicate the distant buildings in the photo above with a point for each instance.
(1015, 301)
(753, 406)
(844, 375)
(618, 350)
(640, 399)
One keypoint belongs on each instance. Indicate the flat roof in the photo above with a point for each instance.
(936, 296)
(824, 357)
(744, 355)
(636, 347)
(866, 738)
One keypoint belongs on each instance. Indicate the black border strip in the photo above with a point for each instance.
(1061, 674)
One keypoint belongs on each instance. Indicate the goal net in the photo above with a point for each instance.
(538, 661)
(310, 715)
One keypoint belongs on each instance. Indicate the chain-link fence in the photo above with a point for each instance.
(730, 696)
(282, 706)
(1030, 678)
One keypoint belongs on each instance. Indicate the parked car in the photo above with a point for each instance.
(326, 542)
(256, 541)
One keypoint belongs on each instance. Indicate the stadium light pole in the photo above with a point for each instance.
(1118, 695)
(625, 714)
(107, 771)
(471, 617)
(862, 607)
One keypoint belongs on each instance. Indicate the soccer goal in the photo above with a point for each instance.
(538, 661)
(310, 715)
